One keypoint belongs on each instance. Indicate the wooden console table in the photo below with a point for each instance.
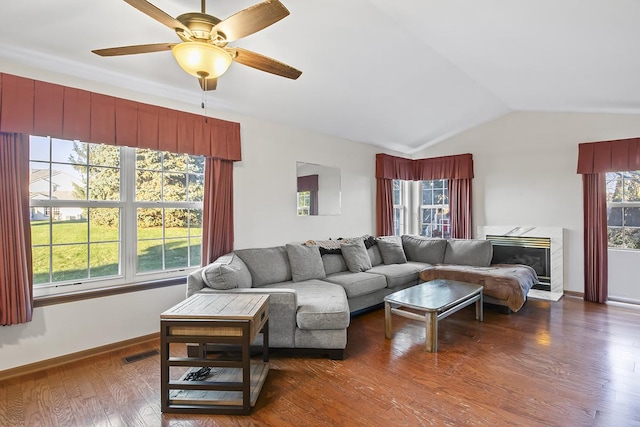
(234, 382)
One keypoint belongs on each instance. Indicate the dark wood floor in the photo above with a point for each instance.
(568, 363)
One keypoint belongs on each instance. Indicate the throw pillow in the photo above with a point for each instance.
(306, 262)
(469, 252)
(227, 272)
(424, 249)
(356, 256)
(391, 250)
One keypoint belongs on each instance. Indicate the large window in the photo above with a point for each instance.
(623, 209)
(421, 207)
(103, 215)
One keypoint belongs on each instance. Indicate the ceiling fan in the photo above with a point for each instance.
(203, 51)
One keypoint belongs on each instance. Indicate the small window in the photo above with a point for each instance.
(623, 209)
(399, 207)
(434, 209)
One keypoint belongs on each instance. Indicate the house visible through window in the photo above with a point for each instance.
(102, 214)
(421, 207)
(623, 209)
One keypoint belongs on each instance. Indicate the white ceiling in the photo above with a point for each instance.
(401, 74)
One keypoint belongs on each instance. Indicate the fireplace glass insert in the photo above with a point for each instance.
(532, 251)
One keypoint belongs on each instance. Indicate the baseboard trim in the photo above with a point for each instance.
(73, 357)
(574, 294)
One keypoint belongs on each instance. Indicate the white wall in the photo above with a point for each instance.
(265, 215)
(525, 175)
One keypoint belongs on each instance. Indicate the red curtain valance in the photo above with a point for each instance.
(609, 156)
(446, 167)
(33, 107)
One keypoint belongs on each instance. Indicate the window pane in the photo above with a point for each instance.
(104, 183)
(175, 187)
(70, 262)
(104, 224)
(39, 181)
(70, 230)
(397, 191)
(149, 223)
(65, 151)
(195, 190)
(176, 222)
(148, 159)
(40, 262)
(104, 155)
(195, 222)
(632, 190)
(68, 182)
(105, 258)
(39, 229)
(614, 217)
(39, 148)
(176, 253)
(149, 255)
(615, 237)
(196, 164)
(632, 238)
(195, 249)
(632, 217)
(173, 162)
(148, 186)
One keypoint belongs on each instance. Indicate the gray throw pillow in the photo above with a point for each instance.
(424, 249)
(227, 272)
(391, 250)
(474, 252)
(355, 255)
(306, 262)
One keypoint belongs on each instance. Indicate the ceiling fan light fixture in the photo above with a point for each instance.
(202, 59)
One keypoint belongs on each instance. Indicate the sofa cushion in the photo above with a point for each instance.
(355, 255)
(374, 255)
(227, 272)
(334, 263)
(266, 265)
(356, 284)
(424, 249)
(321, 305)
(397, 274)
(306, 262)
(473, 252)
(391, 250)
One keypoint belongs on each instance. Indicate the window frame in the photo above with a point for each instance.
(413, 208)
(128, 257)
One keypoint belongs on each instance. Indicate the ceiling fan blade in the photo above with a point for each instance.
(158, 14)
(264, 63)
(208, 84)
(251, 20)
(131, 50)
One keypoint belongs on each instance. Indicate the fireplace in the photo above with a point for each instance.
(532, 251)
(539, 247)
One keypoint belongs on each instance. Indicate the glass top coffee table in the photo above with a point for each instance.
(437, 299)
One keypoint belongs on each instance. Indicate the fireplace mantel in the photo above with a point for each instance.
(555, 234)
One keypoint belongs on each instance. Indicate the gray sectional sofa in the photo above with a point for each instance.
(316, 286)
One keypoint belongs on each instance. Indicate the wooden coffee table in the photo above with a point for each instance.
(437, 299)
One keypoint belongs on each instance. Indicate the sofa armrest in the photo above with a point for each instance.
(195, 282)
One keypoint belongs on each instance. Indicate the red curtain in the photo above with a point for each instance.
(596, 266)
(384, 207)
(594, 160)
(458, 170)
(16, 297)
(32, 107)
(217, 221)
(460, 208)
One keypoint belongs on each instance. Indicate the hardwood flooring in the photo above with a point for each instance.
(566, 363)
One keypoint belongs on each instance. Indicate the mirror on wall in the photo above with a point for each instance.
(318, 189)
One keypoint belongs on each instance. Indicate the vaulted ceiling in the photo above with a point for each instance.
(401, 74)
